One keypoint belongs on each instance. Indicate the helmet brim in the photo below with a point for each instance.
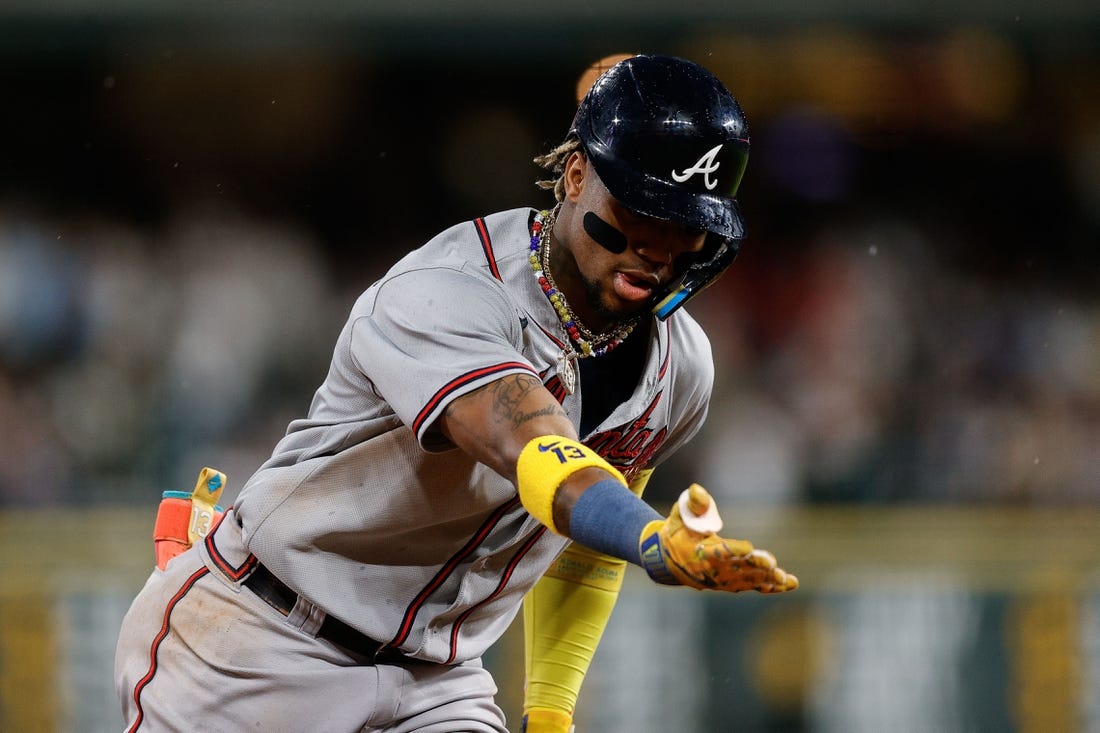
(656, 197)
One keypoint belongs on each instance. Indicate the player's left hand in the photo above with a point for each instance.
(544, 720)
(687, 551)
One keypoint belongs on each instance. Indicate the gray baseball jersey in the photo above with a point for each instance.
(372, 518)
(367, 511)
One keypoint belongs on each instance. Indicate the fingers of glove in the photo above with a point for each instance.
(776, 580)
(724, 549)
(714, 565)
(761, 559)
(698, 511)
(699, 500)
(695, 512)
(783, 583)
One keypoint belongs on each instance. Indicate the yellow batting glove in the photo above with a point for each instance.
(543, 720)
(685, 550)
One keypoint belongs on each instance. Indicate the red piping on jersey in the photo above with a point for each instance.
(448, 568)
(459, 382)
(554, 383)
(496, 591)
(556, 388)
(155, 648)
(552, 337)
(487, 245)
(224, 565)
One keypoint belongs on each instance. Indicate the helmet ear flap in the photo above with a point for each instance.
(700, 270)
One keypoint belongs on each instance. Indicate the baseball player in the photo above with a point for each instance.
(493, 409)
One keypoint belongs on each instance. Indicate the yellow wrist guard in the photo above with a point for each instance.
(544, 464)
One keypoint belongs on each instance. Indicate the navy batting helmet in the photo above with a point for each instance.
(670, 141)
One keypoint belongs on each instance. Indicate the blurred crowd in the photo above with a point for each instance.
(914, 318)
(855, 368)
(865, 370)
(129, 360)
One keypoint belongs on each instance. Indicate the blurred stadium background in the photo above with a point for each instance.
(908, 400)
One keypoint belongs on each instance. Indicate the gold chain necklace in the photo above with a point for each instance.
(576, 334)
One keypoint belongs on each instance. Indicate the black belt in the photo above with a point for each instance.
(277, 595)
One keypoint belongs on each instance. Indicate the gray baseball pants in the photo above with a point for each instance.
(199, 652)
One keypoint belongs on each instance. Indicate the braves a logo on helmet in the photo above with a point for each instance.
(706, 165)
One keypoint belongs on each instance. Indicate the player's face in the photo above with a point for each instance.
(619, 257)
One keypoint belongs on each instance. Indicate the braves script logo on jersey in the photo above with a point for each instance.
(630, 447)
(706, 165)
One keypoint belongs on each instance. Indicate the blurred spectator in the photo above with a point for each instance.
(915, 316)
(127, 365)
(247, 346)
(41, 331)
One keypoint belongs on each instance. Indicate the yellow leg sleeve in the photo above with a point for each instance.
(564, 617)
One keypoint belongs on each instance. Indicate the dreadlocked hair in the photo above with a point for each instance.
(554, 161)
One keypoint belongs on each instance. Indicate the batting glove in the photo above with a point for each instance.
(685, 550)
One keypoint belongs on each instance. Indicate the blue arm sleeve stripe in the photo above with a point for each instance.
(609, 518)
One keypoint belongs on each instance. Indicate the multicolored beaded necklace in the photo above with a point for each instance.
(586, 343)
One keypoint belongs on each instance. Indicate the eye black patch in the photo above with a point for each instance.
(604, 234)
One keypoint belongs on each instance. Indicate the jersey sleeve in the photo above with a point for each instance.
(430, 335)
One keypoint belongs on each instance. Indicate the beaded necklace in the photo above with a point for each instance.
(579, 342)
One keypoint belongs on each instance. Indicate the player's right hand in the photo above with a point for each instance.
(675, 553)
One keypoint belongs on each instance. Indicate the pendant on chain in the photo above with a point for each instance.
(567, 371)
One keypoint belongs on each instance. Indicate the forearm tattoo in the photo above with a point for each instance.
(506, 395)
